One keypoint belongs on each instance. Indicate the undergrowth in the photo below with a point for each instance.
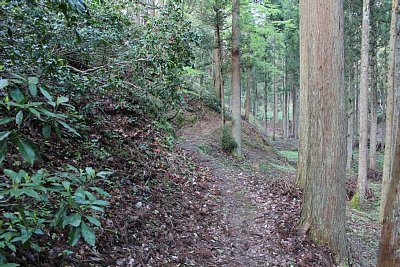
(228, 143)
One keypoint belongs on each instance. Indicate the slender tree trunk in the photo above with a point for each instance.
(294, 125)
(362, 163)
(374, 82)
(255, 100)
(285, 115)
(275, 109)
(350, 120)
(247, 103)
(266, 104)
(286, 98)
(297, 114)
(357, 105)
(322, 144)
(236, 94)
(389, 248)
(390, 107)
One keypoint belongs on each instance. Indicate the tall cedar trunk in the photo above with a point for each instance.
(275, 109)
(218, 79)
(389, 248)
(216, 73)
(294, 124)
(374, 83)
(350, 119)
(297, 114)
(236, 125)
(286, 99)
(284, 115)
(247, 103)
(357, 106)
(266, 104)
(322, 145)
(363, 106)
(255, 101)
(390, 107)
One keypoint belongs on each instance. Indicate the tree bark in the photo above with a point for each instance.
(374, 83)
(389, 248)
(236, 125)
(275, 108)
(350, 119)
(322, 144)
(363, 107)
(247, 103)
(266, 104)
(294, 124)
(255, 100)
(390, 107)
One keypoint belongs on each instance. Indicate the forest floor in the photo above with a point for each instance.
(190, 204)
(260, 206)
(258, 203)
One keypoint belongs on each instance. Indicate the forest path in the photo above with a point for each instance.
(258, 204)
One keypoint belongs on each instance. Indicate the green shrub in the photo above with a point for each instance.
(227, 142)
(22, 107)
(37, 203)
(355, 201)
(212, 101)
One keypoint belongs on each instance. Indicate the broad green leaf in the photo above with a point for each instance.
(3, 151)
(35, 112)
(80, 195)
(46, 131)
(11, 246)
(17, 76)
(74, 235)
(46, 94)
(69, 128)
(101, 203)
(58, 217)
(3, 83)
(104, 174)
(30, 192)
(12, 174)
(51, 114)
(74, 220)
(88, 234)
(62, 99)
(19, 118)
(32, 84)
(27, 152)
(90, 172)
(17, 96)
(67, 185)
(4, 135)
(96, 208)
(90, 196)
(36, 247)
(9, 265)
(4, 121)
(93, 220)
(100, 191)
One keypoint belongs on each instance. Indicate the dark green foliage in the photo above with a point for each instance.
(211, 101)
(22, 107)
(227, 142)
(68, 200)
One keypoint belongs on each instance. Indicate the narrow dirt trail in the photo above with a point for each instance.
(258, 205)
